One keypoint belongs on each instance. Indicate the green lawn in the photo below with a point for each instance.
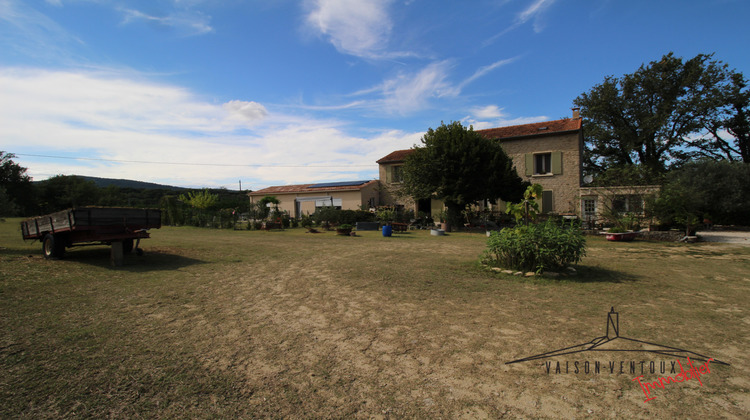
(217, 323)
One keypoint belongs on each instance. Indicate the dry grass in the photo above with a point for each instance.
(289, 324)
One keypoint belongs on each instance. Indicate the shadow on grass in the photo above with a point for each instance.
(595, 274)
(151, 260)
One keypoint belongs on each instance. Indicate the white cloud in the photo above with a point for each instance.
(248, 111)
(492, 116)
(407, 93)
(119, 117)
(356, 27)
(488, 112)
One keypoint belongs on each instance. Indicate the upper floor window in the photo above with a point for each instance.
(394, 174)
(542, 163)
(545, 163)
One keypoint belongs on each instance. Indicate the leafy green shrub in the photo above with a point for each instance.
(537, 247)
(306, 221)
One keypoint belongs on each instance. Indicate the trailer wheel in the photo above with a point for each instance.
(53, 246)
(127, 246)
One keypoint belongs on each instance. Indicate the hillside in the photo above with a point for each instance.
(128, 183)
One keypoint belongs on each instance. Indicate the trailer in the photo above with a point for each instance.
(122, 228)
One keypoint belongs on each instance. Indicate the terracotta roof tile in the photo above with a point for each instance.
(306, 188)
(397, 156)
(534, 129)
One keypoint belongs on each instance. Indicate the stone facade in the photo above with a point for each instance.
(547, 153)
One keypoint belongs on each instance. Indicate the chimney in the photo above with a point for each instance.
(576, 113)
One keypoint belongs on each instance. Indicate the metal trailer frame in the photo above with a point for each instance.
(122, 228)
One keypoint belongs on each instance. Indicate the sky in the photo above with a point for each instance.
(214, 93)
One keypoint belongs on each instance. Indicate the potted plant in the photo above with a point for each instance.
(344, 229)
(618, 233)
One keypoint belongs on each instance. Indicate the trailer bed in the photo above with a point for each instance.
(91, 219)
(86, 225)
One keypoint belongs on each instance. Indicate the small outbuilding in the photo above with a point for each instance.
(305, 198)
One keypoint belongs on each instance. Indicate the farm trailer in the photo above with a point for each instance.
(122, 228)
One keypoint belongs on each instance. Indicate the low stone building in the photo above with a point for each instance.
(305, 198)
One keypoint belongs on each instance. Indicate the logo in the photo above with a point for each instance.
(612, 342)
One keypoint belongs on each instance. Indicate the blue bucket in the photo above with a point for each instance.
(387, 230)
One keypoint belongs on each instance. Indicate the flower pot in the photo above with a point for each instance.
(437, 232)
(622, 237)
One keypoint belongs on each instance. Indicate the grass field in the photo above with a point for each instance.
(227, 324)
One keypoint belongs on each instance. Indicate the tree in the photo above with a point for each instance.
(266, 203)
(664, 114)
(461, 167)
(17, 190)
(730, 117)
(717, 190)
(202, 200)
(67, 191)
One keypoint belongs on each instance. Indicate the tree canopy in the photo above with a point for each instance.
(460, 167)
(16, 192)
(666, 113)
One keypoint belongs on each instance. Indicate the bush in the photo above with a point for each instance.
(537, 247)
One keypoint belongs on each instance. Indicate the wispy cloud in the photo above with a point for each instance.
(187, 23)
(535, 11)
(356, 27)
(491, 116)
(407, 93)
(485, 70)
(33, 34)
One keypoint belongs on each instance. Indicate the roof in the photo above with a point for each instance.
(541, 128)
(315, 188)
(397, 156)
(513, 131)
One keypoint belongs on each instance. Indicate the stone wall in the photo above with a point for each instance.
(565, 185)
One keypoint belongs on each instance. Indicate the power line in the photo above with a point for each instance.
(191, 164)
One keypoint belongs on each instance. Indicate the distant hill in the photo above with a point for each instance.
(128, 183)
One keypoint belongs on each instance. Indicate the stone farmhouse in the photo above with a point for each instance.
(548, 153)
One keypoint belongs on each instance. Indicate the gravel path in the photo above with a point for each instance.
(733, 237)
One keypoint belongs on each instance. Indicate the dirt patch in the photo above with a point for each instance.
(286, 324)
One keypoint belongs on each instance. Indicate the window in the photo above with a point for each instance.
(628, 203)
(542, 163)
(396, 174)
(589, 207)
(329, 202)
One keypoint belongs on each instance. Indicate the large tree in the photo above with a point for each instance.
(460, 167)
(16, 190)
(665, 113)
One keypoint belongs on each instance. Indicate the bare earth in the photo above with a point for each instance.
(303, 326)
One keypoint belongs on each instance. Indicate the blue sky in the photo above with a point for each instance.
(205, 93)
